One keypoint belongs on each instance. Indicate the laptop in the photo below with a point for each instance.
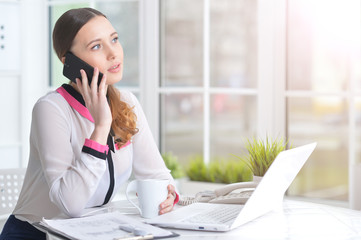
(267, 196)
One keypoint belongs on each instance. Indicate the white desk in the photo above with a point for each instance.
(297, 220)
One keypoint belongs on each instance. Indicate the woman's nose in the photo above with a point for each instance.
(112, 53)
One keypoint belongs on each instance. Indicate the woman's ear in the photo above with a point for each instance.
(63, 60)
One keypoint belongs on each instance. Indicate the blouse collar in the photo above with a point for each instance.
(75, 100)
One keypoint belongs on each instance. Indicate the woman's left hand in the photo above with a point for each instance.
(167, 205)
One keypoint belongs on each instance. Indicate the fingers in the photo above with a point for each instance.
(171, 189)
(83, 85)
(92, 88)
(102, 86)
(168, 204)
(94, 82)
(96, 102)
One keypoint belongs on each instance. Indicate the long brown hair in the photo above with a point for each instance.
(65, 30)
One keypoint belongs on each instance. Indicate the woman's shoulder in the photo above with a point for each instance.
(52, 96)
(51, 99)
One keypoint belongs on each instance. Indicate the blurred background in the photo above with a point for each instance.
(211, 74)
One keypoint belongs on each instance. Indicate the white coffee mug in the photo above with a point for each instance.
(151, 193)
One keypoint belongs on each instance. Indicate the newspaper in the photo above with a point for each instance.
(103, 226)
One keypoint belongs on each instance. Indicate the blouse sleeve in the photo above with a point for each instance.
(72, 177)
(147, 162)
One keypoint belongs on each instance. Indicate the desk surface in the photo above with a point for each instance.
(297, 220)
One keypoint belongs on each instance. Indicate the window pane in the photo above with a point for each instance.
(233, 34)
(181, 43)
(321, 119)
(124, 18)
(322, 48)
(182, 125)
(56, 67)
(233, 120)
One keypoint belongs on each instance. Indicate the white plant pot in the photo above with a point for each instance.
(257, 179)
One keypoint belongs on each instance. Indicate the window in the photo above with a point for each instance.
(323, 80)
(218, 72)
(208, 82)
(235, 69)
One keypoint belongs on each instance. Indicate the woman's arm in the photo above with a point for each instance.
(72, 170)
(74, 176)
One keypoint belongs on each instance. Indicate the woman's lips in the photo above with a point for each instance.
(115, 68)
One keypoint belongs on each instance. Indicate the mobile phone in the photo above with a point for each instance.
(72, 66)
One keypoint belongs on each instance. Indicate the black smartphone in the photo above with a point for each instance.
(72, 66)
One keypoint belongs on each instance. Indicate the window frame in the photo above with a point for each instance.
(271, 87)
(266, 77)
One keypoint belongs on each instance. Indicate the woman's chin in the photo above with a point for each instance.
(113, 79)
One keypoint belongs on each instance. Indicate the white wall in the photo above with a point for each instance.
(10, 72)
(23, 76)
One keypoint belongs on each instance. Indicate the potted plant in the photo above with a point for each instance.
(262, 153)
(218, 171)
(214, 175)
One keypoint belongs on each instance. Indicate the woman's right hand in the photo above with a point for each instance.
(97, 104)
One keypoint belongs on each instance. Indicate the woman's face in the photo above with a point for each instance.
(97, 44)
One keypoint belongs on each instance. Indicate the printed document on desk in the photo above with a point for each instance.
(102, 226)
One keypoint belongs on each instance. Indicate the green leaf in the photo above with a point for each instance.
(171, 161)
(262, 153)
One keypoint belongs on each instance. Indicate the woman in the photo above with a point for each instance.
(85, 141)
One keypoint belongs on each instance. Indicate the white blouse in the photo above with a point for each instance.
(67, 172)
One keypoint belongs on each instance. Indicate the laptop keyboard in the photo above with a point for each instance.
(219, 215)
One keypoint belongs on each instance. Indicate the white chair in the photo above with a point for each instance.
(11, 181)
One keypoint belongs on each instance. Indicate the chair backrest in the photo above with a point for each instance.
(11, 181)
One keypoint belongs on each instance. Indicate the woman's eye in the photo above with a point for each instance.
(115, 40)
(96, 47)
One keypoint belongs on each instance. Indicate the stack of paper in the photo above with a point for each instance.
(102, 226)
